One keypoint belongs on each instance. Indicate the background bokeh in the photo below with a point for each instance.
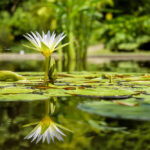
(117, 26)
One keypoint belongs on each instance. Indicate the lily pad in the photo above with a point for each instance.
(13, 90)
(87, 84)
(104, 93)
(22, 97)
(113, 110)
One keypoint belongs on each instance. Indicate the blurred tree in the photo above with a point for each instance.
(128, 30)
(133, 7)
(78, 19)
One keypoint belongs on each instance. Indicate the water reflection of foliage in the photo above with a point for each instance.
(14, 115)
(122, 66)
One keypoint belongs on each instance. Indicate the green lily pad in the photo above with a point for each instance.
(22, 97)
(56, 92)
(87, 84)
(10, 76)
(13, 90)
(113, 110)
(142, 98)
(105, 93)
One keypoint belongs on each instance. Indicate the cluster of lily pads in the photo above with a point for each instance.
(111, 94)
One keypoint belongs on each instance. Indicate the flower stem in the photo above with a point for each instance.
(46, 71)
(47, 107)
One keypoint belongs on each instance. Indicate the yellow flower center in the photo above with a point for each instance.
(46, 120)
(47, 53)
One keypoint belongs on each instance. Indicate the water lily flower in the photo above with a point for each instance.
(46, 44)
(48, 130)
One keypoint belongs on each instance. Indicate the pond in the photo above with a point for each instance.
(106, 65)
(96, 110)
(90, 132)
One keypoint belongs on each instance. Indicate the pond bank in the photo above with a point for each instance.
(91, 58)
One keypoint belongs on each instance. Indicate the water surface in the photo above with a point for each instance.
(90, 132)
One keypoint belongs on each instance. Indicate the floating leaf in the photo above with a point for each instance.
(10, 76)
(13, 90)
(113, 110)
(105, 93)
(23, 97)
(86, 84)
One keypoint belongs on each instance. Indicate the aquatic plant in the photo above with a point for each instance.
(10, 76)
(46, 44)
(46, 129)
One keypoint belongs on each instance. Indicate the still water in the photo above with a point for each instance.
(106, 66)
(89, 132)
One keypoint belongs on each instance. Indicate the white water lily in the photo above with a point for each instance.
(45, 43)
(46, 130)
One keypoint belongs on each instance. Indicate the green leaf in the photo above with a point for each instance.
(62, 46)
(30, 124)
(31, 47)
(113, 110)
(10, 76)
(22, 97)
(102, 91)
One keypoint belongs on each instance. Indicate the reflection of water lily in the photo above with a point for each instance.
(45, 43)
(46, 130)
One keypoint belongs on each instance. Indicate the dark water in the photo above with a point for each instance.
(108, 66)
(122, 66)
(88, 130)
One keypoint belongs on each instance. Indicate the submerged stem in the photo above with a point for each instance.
(46, 71)
(47, 107)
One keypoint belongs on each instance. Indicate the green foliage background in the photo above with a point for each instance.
(120, 25)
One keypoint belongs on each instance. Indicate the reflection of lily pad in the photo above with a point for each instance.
(113, 110)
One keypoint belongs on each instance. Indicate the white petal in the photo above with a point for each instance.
(38, 132)
(30, 135)
(48, 35)
(52, 133)
(45, 134)
(48, 138)
(39, 36)
(58, 130)
(59, 137)
(52, 40)
(43, 34)
(38, 139)
(37, 39)
(59, 38)
(31, 39)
